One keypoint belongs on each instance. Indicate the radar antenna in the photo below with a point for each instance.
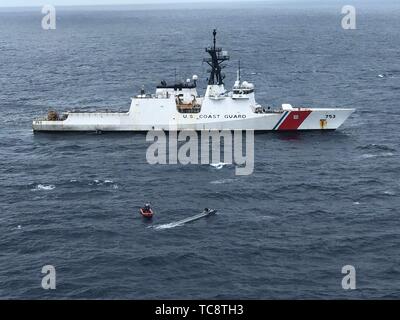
(217, 57)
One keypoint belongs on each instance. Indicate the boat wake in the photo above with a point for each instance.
(183, 221)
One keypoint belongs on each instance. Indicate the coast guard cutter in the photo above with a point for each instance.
(178, 106)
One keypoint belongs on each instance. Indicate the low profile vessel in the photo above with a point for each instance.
(178, 106)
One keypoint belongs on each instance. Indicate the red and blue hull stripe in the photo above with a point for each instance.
(292, 120)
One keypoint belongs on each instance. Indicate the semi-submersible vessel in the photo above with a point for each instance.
(178, 106)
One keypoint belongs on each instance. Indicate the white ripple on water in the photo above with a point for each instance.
(390, 193)
(218, 165)
(371, 155)
(266, 217)
(108, 182)
(44, 187)
(222, 181)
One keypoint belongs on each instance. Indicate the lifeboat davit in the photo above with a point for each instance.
(146, 213)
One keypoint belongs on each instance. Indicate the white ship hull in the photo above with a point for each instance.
(285, 120)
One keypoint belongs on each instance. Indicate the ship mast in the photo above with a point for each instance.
(217, 57)
(238, 73)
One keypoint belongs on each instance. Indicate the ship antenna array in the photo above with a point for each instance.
(217, 57)
(239, 75)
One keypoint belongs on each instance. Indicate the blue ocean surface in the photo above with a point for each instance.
(317, 201)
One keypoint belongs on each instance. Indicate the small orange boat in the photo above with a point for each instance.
(146, 213)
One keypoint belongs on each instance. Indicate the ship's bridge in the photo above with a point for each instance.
(242, 90)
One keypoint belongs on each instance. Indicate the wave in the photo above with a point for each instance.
(370, 155)
(44, 187)
(69, 148)
(99, 182)
(376, 147)
(167, 226)
(76, 183)
(389, 74)
(218, 165)
(222, 181)
(390, 193)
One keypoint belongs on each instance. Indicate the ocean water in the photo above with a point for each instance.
(316, 201)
